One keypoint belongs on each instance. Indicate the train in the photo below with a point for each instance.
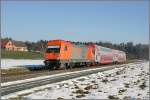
(60, 54)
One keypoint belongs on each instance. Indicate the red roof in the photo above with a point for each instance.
(3, 43)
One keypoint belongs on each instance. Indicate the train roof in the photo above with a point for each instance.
(113, 50)
(75, 43)
(59, 40)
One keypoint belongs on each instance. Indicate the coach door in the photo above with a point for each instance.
(97, 55)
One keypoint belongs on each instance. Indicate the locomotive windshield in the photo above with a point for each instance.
(53, 49)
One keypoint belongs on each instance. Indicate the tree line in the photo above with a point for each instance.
(133, 51)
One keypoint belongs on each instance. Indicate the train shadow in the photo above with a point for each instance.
(43, 67)
(35, 67)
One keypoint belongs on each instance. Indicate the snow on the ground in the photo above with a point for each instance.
(128, 82)
(13, 63)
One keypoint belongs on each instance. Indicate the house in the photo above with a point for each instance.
(19, 46)
(12, 45)
(6, 44)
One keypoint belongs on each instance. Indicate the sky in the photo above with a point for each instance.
(112, 21)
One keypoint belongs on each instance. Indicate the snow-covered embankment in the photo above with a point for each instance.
(131, 81)
(15, 63)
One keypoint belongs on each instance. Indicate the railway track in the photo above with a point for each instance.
(43, 73)
(15, 86)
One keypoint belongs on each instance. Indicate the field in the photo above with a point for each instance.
(21, 55)
(13, 67)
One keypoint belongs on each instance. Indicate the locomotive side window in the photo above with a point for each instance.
(65, 49)
(106, 49)
(96, 57)
(93, 51)
(53, 49)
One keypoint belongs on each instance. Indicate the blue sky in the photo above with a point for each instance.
(111, 21)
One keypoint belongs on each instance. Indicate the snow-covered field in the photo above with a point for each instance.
(13, 63)
(128, 82)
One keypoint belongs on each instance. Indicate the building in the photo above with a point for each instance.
(12, 45)
(19, 46)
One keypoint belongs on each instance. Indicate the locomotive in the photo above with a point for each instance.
(62, 54)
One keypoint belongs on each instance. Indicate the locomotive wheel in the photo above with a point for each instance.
(51, 67)
(71, 65)
(88, 64)
(115, 62)
(67, 65)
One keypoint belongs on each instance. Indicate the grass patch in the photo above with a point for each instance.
(105, 80)
(130, 61)
(21, 71)
(20, 97)
(15, 98)
(126, 85)
(80, 95)
(79, 91)
(122, 90)
(24, 94)
(143, 85)
(113, 97)
(81, 79)
(93, 81)
(60, 98)
(88, 87)
(14, 71)
(21, 55)
(113, 79)
(99, 90)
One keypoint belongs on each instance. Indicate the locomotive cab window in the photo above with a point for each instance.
(53, 49)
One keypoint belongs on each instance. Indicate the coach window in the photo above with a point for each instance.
(96, 57)
(65, 49)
